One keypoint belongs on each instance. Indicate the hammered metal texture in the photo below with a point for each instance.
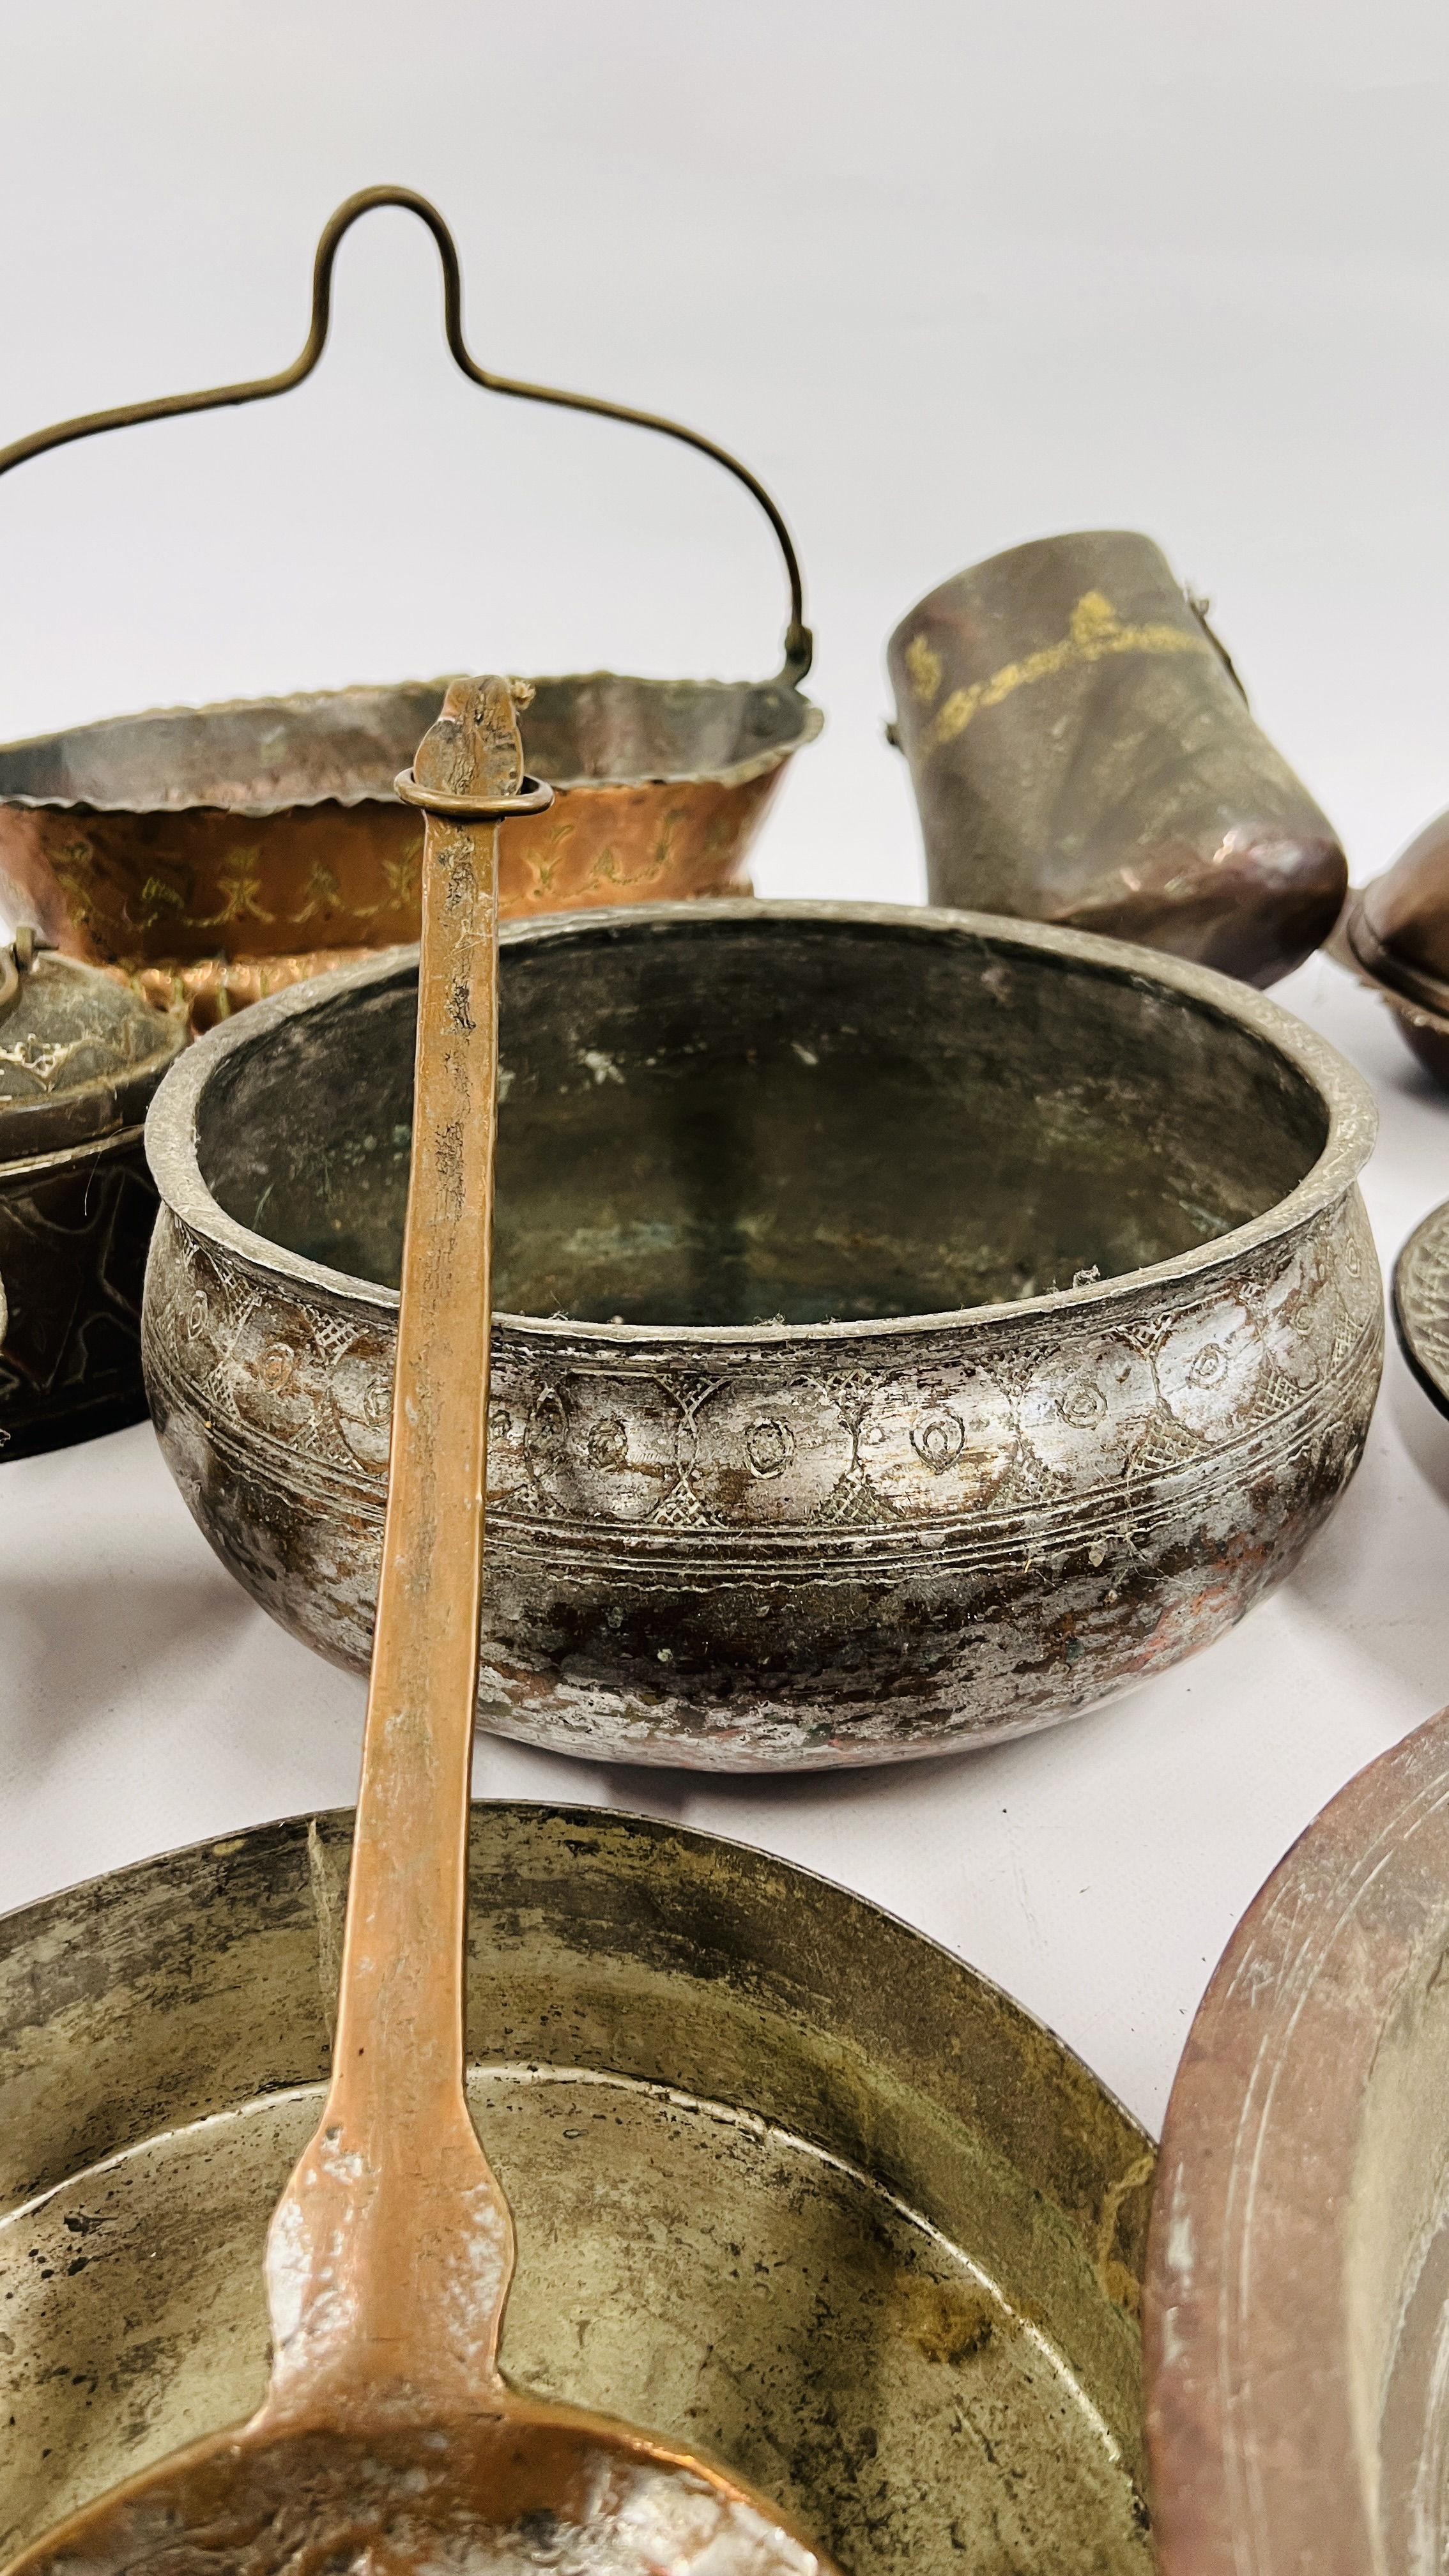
(218, 854)
(1297, 2286)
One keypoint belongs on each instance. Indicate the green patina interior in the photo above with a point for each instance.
(724, 1122)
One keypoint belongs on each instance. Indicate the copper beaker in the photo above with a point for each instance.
(1082, 753)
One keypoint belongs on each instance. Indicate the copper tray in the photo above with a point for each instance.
(1298, 2269)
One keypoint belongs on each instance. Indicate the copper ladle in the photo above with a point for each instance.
(389, 2443)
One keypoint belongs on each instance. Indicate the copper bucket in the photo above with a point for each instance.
(1082, 753)
(214, 854)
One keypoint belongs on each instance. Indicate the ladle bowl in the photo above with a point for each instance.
(910, 1327)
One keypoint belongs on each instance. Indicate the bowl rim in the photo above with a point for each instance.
(171, 1125)
(37, 1919)
(738, 773)
(1406, 1303)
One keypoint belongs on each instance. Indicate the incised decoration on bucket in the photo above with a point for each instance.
(1421, 1304)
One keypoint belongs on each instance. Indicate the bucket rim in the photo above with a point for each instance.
(738, 773)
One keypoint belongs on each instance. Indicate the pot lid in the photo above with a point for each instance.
(80, 1053)
(1398, 928)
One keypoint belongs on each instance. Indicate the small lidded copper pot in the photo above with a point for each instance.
(80, 1057)
(1394, 936)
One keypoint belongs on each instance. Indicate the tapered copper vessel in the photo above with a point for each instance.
(1082, 753)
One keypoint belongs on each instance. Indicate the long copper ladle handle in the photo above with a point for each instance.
(391, 2251)
(799, 643)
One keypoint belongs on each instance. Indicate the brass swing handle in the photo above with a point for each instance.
(799, 642)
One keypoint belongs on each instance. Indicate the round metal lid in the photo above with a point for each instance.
(1421, 1304)
(1397, 929)
(80, 1053)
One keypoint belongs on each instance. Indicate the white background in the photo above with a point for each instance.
(949, 276)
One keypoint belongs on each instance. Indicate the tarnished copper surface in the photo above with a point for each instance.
(1298, 2265)
(1082, 753)
(217, 854)
(388, 2434)
(789, 2180)
(79, 1062)
(916, 1327)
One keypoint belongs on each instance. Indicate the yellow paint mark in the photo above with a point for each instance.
(1095, 631)
(924, 665)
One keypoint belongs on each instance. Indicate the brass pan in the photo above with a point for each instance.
(216, 854)
(789, 2180)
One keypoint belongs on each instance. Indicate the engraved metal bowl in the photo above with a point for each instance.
(790, 2181)
(1082, 752)
(910, 1327)
(220, 853)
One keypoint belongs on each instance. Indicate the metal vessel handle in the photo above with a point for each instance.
(799, 643)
